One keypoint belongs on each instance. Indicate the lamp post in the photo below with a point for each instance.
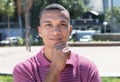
(105, 25)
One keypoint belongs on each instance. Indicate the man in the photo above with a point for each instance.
(55, 62)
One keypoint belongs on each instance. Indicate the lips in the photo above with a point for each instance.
(56, 39)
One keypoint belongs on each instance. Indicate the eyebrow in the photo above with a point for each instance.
(46, 21)
(64, 21)
(50, 21)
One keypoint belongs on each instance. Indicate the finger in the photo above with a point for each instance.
(65, 49)
(60, 46)
(67, 52)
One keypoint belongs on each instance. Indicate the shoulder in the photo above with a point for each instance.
(25, 71)
(26, 66)
(84, 62)
(87, 69)
(85, 65)
(29, 65)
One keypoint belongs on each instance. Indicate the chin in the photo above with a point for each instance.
(55, 43)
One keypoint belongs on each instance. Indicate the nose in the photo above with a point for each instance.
(56, 31)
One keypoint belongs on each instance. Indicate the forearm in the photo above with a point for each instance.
(53, 75)
(59, 56)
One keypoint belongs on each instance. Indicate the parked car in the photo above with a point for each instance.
(37, 40)
(10, 41)
(80, 35)
(86, 38)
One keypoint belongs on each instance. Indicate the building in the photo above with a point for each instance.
(98, 8)
(107, 4)
(96, 5)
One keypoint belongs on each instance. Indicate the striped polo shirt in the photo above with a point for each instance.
(77, 69)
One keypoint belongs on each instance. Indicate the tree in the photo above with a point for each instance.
(7, 7)
(24, 6)
(26, 10)
(116, 14)
(75, 7)
(19, 12)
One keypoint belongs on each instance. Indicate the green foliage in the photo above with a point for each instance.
(116, 14)
(9, 78)
(110, 79)
(75, 7)
(37, 42)
(6, 78)
(81, 8)
(20, 41)
(7, 7)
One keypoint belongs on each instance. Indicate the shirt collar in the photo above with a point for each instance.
(44, 62)
(41, 58)
(72, 60)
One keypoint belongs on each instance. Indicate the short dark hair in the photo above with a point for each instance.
(53, 6)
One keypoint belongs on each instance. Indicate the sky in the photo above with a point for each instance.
(116, 2)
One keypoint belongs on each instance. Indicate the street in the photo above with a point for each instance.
(106, 58)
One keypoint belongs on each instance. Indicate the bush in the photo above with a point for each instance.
(20, 41)
(37, 41)
(9, 78)
(110, 79)
(6, 78)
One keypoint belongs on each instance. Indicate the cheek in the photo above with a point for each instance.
(44, 33)
(66, 35)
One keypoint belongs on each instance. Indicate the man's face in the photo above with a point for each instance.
(54, 27)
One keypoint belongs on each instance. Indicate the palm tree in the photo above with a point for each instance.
(7, 8)
(27, 6)
(19, 12)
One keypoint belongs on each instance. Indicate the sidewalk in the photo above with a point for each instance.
(106, 58)
(10, 56)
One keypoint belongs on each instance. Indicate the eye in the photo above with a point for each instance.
(63, 25)
(48, 24)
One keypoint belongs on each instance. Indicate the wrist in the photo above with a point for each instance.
(54, 70)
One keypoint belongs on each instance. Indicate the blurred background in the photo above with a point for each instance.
(94, 21)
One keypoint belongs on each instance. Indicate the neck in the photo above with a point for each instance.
(47, 53)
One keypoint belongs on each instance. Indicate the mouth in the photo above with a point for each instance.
(56, 39)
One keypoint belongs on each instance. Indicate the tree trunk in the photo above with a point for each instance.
(8, 26)
(27, 31)
(20, 23)
(28, 4)
(9, 34)
(19, 11)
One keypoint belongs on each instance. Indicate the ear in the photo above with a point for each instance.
(70, 30)
(39, 31)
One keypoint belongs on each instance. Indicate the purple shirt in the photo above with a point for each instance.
(35, 69)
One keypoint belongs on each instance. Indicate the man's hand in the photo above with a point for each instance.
(60, 54)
